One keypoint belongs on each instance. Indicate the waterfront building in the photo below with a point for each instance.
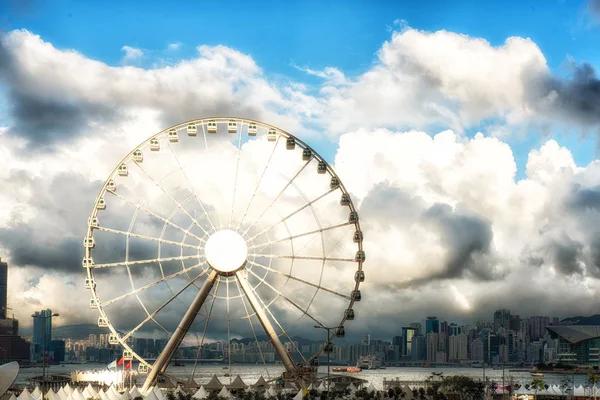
(501, 319)
(432, 346)
(419, 348)
(366, 340)
(407, 336)
(458, 347)
(432, 324)
(39, 325)
(577, 344)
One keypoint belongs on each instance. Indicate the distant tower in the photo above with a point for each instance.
(366, 340)
(3, 288)
(38, 327)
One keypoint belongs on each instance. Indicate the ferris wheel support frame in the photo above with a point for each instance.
(163, 360)
(294, 371)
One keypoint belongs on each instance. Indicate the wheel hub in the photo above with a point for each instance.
(226, 251)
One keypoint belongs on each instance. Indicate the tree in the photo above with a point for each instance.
(593, 379)
(465, 387)
(537, 384)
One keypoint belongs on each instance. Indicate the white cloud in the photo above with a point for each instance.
(444, 215)
(174, 46)
(132, 55)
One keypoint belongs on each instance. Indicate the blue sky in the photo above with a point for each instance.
(314, 34)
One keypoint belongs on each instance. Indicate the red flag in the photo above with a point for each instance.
(120, 361)
(128, 365)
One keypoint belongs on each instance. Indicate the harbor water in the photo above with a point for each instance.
(251, 373)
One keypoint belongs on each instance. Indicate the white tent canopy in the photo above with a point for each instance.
(36, 392)
(62, 394)
(299, 395)
(225, 393)
(68, 389)
(135, 392)
(200, 394)
(150, 396)
(25, 395)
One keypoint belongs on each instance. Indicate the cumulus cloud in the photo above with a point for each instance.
(447, 224)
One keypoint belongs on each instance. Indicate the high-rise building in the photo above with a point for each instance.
(501, 319)
(432, 325)
(458, 345)
(366, 340)
(39, 325)
(419, 348)
(417, 326)
(407, 336)
(515, 323)
(3, 288)
(432, 346)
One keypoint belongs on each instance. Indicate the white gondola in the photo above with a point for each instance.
(232, 127)
(90, 283)
(353, 217)
(154, 144)
(93, 222)
(93, 303)
(142, 369)
(306, 154)
(87, 262)
(173, 136)
(252, 129)
(335, 182)
(360, 256)
(127, 355)
(322, 168)
(345, 199)
(89, 242)
(359, 276)
(192, 130)
(272, 135)
(123, 170)
(112, 339)
(102, 322)
(290, 144)
(101, 204)
(138, 156)
(212, 127)
(111, 186)
(358, 237)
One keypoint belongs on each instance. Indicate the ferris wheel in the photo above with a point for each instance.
(218, 229)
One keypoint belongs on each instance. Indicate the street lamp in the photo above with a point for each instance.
(44, 317)
(327, 344)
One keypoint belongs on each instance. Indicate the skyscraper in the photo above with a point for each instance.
(38, 327)
(407, 336)
(3, 288)
(432, 325)
(501, 319)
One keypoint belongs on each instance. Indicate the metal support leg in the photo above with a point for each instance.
(266, 324)
(162, 362)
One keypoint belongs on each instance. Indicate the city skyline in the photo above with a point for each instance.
(468, 148)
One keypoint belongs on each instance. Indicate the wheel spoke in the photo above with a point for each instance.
(212, 303)
(137, 235)
(309, 204)
(166, 303)
(137, 262)
(237, 166)
(277, 197)
(253, 330)
(300, 235)
(152, 284)
(259, 308)
(172, 199)
(300, 280)
(258, 184)
(190, 185)
(285, 298)
(303, 257)
(228, 328)
(161, 363)
(166, 221)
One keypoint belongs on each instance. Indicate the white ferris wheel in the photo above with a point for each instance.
(223, 228)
